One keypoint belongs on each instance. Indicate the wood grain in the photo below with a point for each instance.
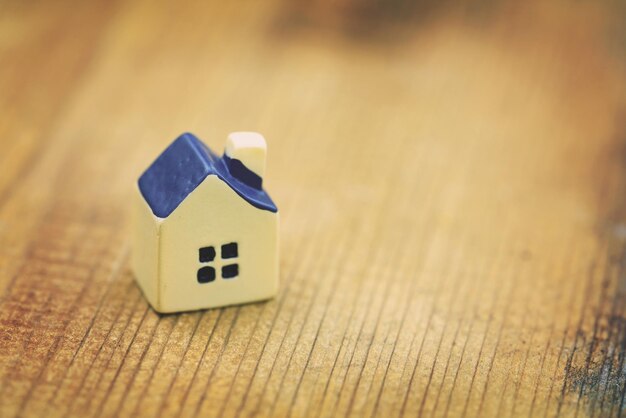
(451, 182)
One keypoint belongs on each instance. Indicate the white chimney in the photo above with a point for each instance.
(249, 148)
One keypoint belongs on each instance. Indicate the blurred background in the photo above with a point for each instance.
(450, 177)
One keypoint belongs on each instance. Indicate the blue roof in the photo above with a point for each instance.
(184, 165)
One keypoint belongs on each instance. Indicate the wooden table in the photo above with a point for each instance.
(451, 182)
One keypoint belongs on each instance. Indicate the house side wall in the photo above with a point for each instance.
(213, 215)
(145, 248)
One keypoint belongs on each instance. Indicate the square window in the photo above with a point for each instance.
(230, 271)
(230, 250)
(207, 254)
(206, 275)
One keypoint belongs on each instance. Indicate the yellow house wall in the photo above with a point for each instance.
(212, 215)
(145, 247)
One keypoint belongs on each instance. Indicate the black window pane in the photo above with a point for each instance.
(207, 254)
(230, 271)
(206, 275)
(229, 250)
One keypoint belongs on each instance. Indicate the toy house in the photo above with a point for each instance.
(205, 232)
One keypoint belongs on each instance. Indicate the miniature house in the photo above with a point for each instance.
(205, 231)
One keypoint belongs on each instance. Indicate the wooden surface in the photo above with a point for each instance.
(451, 180)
